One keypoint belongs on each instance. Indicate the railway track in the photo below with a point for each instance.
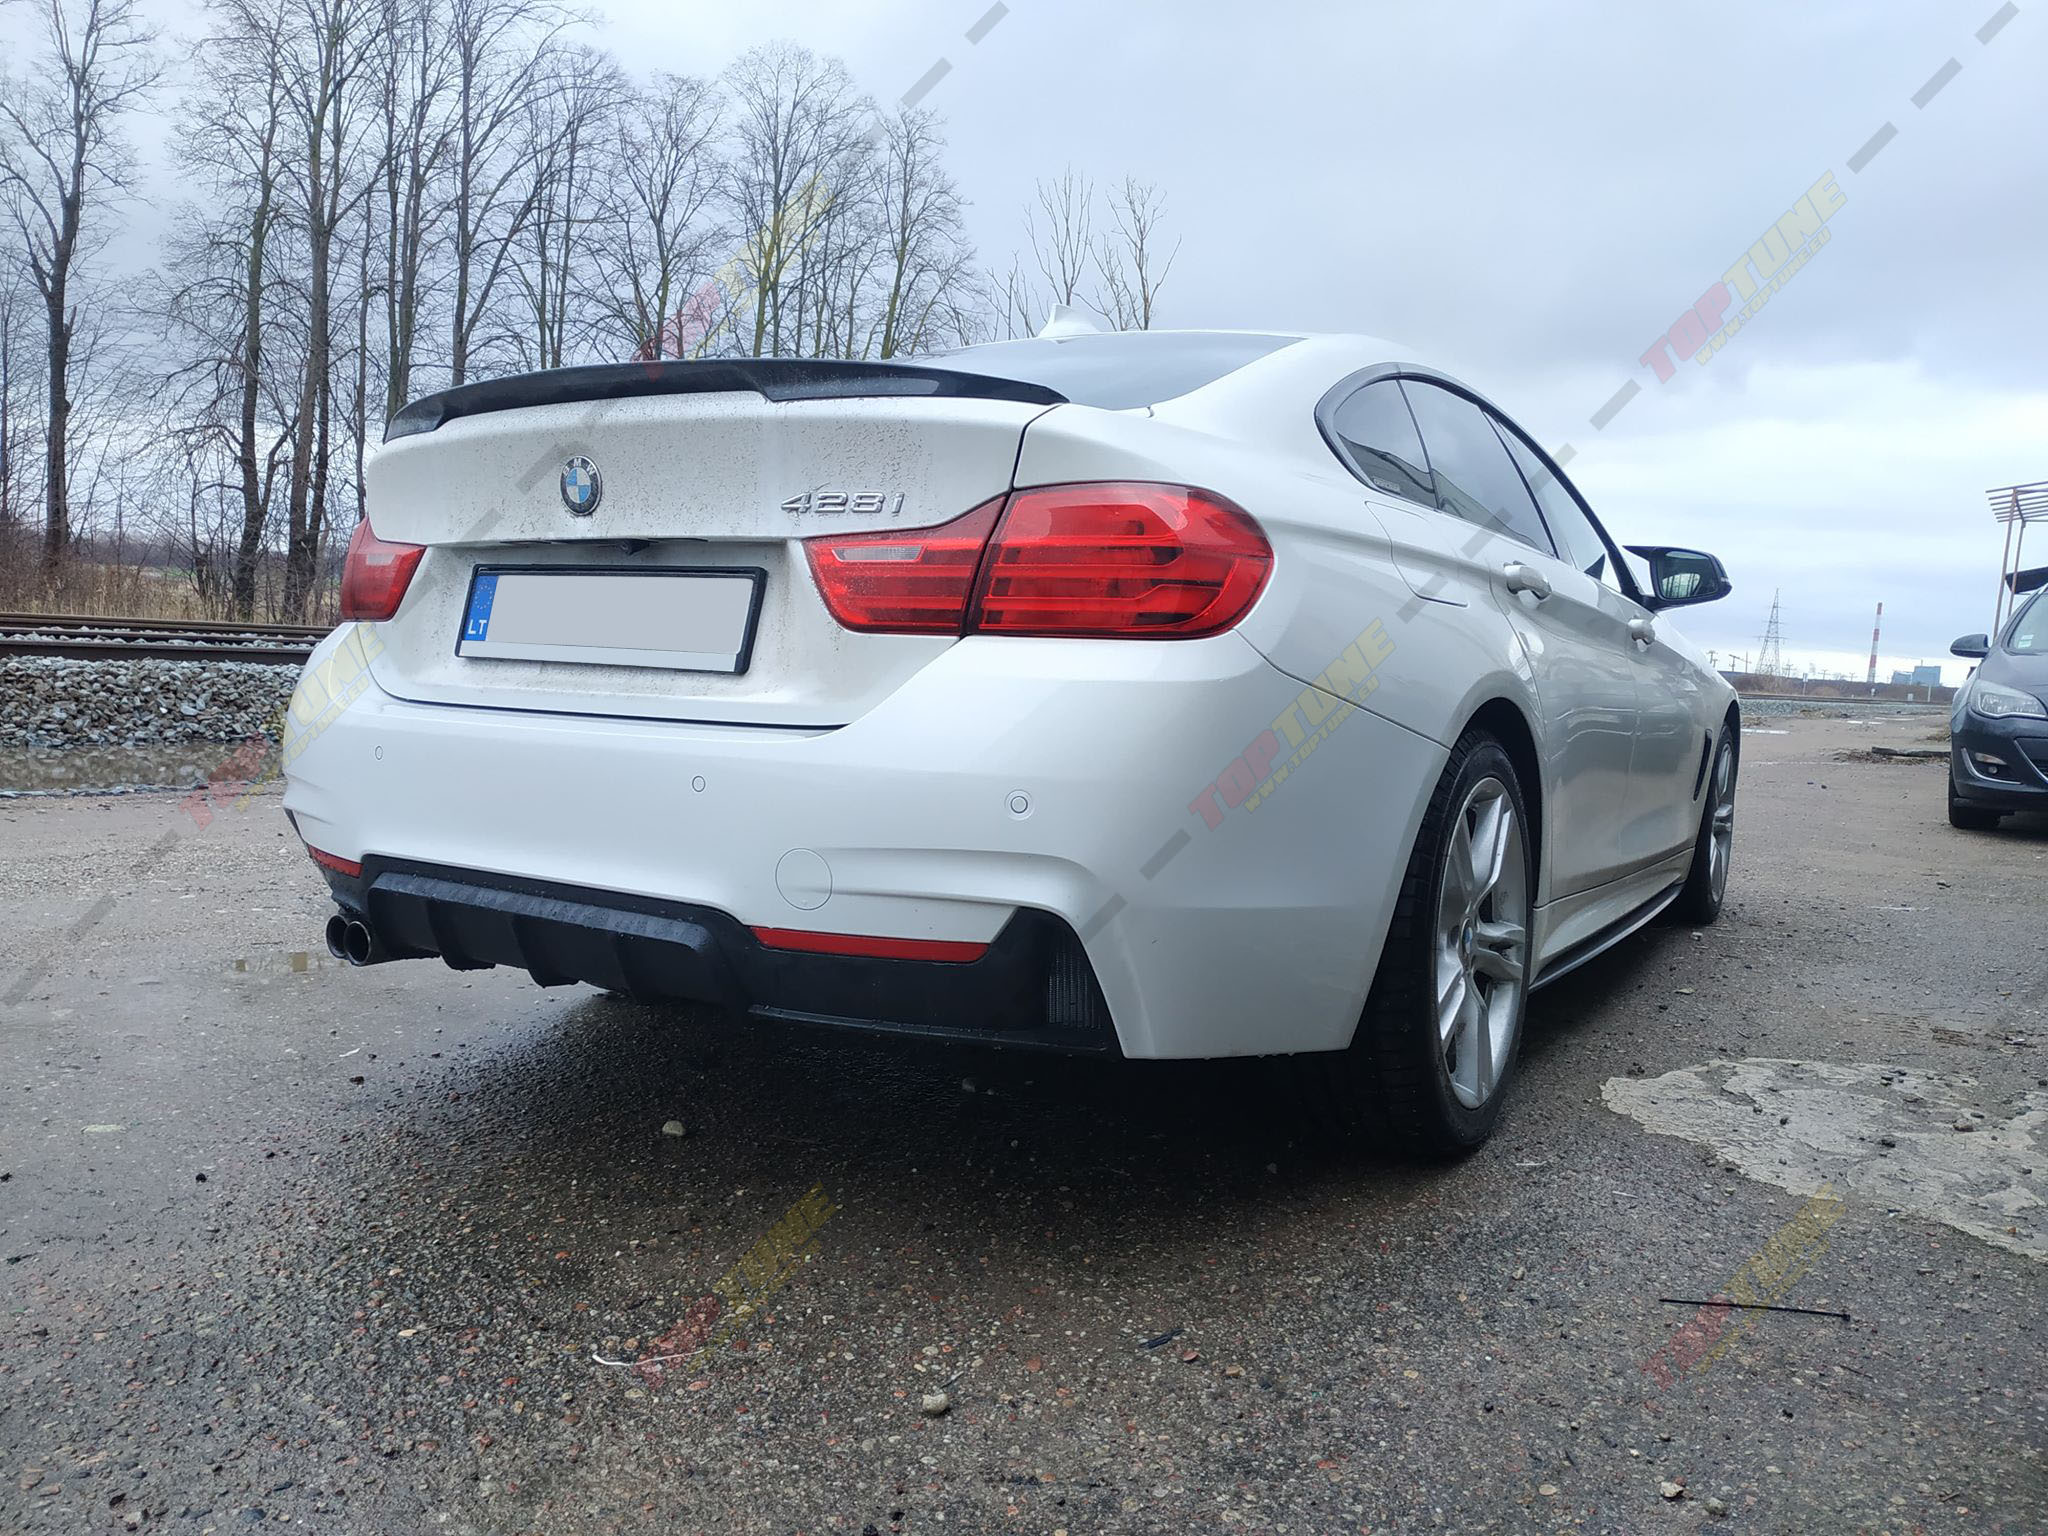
(79, 638)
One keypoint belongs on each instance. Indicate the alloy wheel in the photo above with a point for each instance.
(1721, 838)
(1482, 942)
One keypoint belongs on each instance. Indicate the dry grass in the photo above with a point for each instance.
(95, 583)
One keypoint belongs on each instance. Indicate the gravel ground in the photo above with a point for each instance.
(286, 1242)
(1873, 709)
(53, 702)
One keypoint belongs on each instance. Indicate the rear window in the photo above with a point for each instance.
(1117, 373)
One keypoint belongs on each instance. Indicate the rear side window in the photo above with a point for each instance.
(1118, 372)
(1376, 434)
(1578, 540)
(1475, 478)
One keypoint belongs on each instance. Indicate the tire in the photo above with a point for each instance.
(1706, 883)
(1400, 1081)
(1969, 818)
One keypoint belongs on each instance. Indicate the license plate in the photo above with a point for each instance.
(683, 620)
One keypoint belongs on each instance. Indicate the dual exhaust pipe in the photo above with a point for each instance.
(353, 940)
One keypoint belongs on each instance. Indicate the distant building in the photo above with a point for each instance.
(1919, 677)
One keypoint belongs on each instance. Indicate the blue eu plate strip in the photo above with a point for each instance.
(481, 596)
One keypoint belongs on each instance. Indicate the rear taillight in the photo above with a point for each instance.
(376, 574)
(1120, 561)
(1115, 560)
(913, 581)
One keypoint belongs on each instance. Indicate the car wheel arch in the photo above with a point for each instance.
(1507, 723)
(1731, 722)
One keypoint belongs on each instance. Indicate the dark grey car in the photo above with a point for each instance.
(1998, 761)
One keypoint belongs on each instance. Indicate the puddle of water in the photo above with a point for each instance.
(52, 770)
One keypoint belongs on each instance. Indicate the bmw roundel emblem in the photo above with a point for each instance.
(582, 486)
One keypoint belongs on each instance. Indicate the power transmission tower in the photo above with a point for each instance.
(1771, 658)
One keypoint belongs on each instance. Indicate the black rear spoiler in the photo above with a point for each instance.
(2027, 580)
(773, 378)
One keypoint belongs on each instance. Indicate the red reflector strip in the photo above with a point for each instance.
(951, 950)
(339, 866)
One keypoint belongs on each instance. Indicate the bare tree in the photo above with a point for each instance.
(224, 267)
(501, 51)
(324, 69)
(648, 271)
(928, 257)
(1012, 303)
(570, 128)
(416, 71)
(798, 140)
(61, 157)
(1060, 229)
(826, 297)
(1129, 256)
(18, 402)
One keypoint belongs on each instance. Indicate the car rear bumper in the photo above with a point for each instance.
(1008, 779)
(1032, 986)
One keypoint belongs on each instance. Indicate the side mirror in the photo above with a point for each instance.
(1974, 646)
(1681, 577)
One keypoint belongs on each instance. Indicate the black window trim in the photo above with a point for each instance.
(2003, 640)
(1625, 577)
(1490, 416)
(1351, 383)
(1326, 422)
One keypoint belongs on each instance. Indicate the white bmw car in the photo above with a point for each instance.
(1181, 694)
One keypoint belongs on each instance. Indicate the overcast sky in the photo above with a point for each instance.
(1529, 195)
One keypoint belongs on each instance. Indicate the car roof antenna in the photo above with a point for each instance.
(1066, 320)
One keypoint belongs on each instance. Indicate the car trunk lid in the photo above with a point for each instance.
(722, 481)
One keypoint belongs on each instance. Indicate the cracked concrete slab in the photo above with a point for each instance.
(1909, 1140)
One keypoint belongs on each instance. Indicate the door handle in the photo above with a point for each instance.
(1642, 631)
(1526, 578)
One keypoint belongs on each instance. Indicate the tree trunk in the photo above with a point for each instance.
(56, 488)
(255, 497)
(303, 512)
